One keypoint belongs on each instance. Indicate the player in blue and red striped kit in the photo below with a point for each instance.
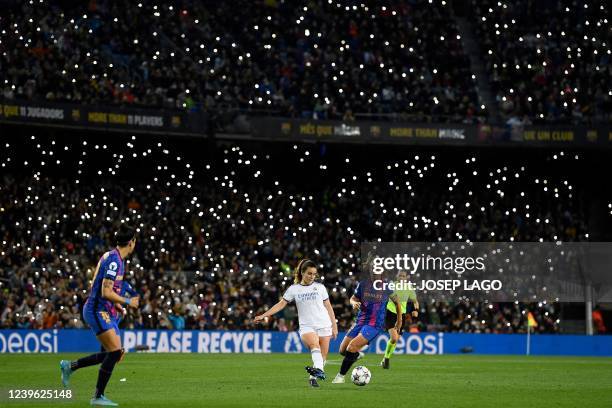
(126, 288)
(370, 322)
(102, 315)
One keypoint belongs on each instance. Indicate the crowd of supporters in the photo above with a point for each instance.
(218, 236)
(549, 61)
(316, 59)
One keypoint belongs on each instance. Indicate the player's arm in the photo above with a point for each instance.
(109, 294)
(415, 303)
(355, 302)
(273, 310)
(96, 272)
(122, 310)
(332, 316)
(415, 312)
(125, 288)
(398, 308)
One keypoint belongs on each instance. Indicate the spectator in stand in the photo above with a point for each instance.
(598, 321)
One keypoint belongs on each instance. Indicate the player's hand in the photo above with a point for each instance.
(120, 309)
(135, 302)
(334, 332)
(356, 305)
(415, 313)
(259, 319)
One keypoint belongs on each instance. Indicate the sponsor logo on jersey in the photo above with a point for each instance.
(112, 269)
(304, 297)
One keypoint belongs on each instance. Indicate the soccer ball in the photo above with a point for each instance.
(361, 376)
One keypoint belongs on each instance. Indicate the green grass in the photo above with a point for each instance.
(279, 380)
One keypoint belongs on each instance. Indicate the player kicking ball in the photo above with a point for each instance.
(370, 322)
(100, 313)
(404, 296)
(315, 315)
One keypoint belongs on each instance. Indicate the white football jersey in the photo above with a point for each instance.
(309, 301)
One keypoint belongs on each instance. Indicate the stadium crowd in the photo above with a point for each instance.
(549, 61)
(318, 59)
(218, 237)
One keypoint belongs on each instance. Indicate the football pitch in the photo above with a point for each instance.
(279, 380)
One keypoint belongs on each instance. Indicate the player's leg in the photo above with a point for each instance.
(350, 335)
(391, 344)
(345, 342)
(365, 336)
(311, 340)
(348, 338)
(344, 345)
(352, 352)
(112, 343)
(324, 345)
(350, 356)
(390, 320)
(90, 360)
(68, 367)
(324, 339)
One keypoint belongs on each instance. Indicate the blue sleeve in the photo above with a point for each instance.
(359, 291)
(110, 267)
(127, 288)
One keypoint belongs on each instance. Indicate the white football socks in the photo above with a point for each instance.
(317, 358)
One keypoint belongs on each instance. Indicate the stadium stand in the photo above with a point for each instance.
(218, 237)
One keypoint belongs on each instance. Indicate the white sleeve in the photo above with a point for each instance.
(289, 296)
(325, 294)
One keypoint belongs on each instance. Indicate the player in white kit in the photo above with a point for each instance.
(315, 314)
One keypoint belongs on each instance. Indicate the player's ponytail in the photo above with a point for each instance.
(300, 268)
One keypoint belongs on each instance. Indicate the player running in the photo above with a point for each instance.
(101, 314)
(370, 322)
(315, 315)
(404, 296)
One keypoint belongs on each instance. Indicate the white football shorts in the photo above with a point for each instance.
(321, 331)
